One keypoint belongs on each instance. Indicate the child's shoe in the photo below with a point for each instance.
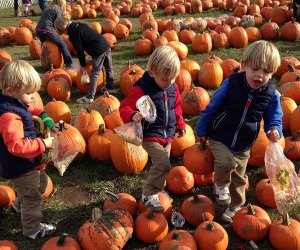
(15, 209)
(222, 195)
(45, 230)
(85, 100)
(228, 214)
(152, 201)
(32, 12)
(25, 13)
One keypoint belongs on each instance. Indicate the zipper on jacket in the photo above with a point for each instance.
(248, 103)
(167, 112)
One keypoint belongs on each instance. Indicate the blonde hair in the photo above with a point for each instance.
(164, 61)
(62, 4)
(62, 22)
(19, 75)
(261, 54)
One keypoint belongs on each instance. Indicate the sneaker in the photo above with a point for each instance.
(85, 100)
(222, 195)
(166, 193)
(228, 214)
(152, 201)
(32, 12)
(25, 13)
(14, 209)
(45, 230)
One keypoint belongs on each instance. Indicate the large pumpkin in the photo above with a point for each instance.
(58, 110)
(210, 75)
(109, 230)
(126, 157)
(51, 55)
(105, 103)
(180, 144)
(179, 180)
(178, 239)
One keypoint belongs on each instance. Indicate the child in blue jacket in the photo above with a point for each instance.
(232, 120)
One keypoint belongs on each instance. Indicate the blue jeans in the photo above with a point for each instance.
(43, 4)
(55, 38)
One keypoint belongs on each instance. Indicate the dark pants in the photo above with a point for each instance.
(16, 5)
(43, 4)
(296, 6)
(55, 38)
(104, 60)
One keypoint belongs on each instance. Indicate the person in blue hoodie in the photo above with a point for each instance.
(231, 121)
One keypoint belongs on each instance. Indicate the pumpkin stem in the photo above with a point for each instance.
(176, 235)
(61, 240)
(210, 226)
(51, 67)
(289, 149)
(150, 214)
(101, 129)
(61, 126)
(53, 100)
(251, 210)
(96, 213)
(111, 195)
(132, 72)
(106, 94)
(202, 145)
(291, 68)
(297, 78)
(195, 195)
(286, 219)
(87, 109)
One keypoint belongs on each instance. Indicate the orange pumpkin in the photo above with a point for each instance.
(179, 180)
(7, 196)
(178, 239)
(265, 193)
(7, 245)
(180, 144)
(191, 66)
(59, 89)
(49, 189)
(51, 55)
(105, 103)
(58, 110)
(35, 49)
(4, 58)
(62, 242)
(210, 75)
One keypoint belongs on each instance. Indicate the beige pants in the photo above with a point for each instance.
(230, 170)
(29, 188)
(160, 158)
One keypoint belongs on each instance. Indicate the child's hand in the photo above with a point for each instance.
(137, 117)
(273, 135)
(49, 142)
(203, 140)
(181, 132)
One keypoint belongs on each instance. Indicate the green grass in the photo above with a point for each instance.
(83, 184)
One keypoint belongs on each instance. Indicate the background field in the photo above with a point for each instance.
(82, 186)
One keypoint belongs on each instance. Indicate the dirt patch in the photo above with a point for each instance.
(73, 195)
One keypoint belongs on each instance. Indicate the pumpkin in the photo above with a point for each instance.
(178, 239)
(180, 144)
(143, 46)
(105, 103)
(278, 15)
(253, 34)
(251, 223)
(121, 200)
(5, 37)
(151, 227)
(7, 196)
(121, 31)
(35, 49)
(265, 193)
(197, 209)
(49, 189)
(183, 80)
(191, 66)
(59, 89)
(63, 242)
(270, 31)
(4, 58)
(180, 48)
(292, 147)
(202, 43)
(285, 233)
(229, 66)
(238, 37)
(288, 105)
(108, 230)
(179, 180)
(7, 245)
(204, 179)
(210, 75)
(99, 144)
(87, 122)
(69, 145)
(290, 75)
(111, 39)
(58, 110)
(96, 26)
(113, 119)
(194, 100)
(165, 201)
(186, 36)
(284, 62)
(128, 78)
(198, 159)
(290, 31)
(23, 36)
(51, 55)
(126, 157)
(291, 90)
(211, 235)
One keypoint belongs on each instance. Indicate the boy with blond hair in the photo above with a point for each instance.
(19, 146)
(232, 119)
(158, 82)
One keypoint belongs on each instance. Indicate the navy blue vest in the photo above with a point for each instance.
(237, 123)
(12, 166)
(164, 100)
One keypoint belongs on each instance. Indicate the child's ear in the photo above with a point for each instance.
(8, 91)
(151, 73)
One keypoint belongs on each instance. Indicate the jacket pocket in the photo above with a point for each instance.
(219, 118)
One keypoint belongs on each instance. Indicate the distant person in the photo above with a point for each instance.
(20, 148)
(296, 10)
(45, 29)
(84, 39)
(28, 7)
(17, 12)
(231, 122)
(158, 82)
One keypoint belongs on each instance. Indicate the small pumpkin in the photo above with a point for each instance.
(179, 180)
(58, 110)
(7, 196)
(63, 242)
(178, 239)
(8, 245)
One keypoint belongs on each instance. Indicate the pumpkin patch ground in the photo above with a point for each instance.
(85, 183)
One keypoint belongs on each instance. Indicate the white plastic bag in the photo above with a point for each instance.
(131, 132)
(146, 106)
(85, 79)
(283, 177)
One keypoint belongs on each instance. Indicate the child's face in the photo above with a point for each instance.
(27, 97)
(257, 77)
(160, 81)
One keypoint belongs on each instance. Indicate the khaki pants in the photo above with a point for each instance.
(160, 158)
(230, 170)
(29, 188)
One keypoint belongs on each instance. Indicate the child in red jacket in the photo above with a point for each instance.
(19, 146)
(158, 82)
